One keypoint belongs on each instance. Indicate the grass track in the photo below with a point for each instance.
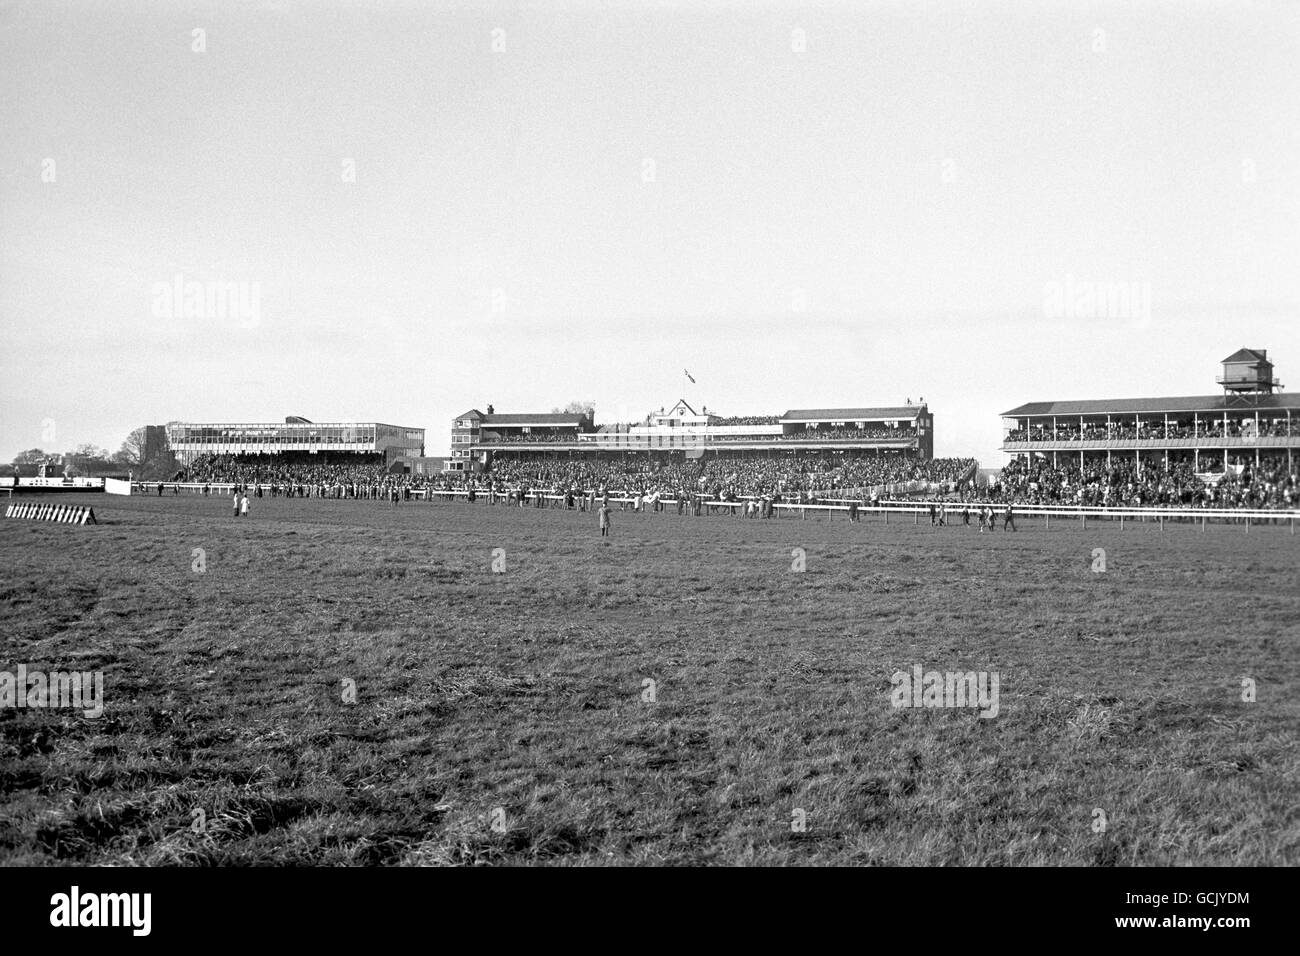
(523, 690)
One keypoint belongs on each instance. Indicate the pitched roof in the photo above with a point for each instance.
(472, 413)
(851, 414)
(1248, 355)
(1128, 406)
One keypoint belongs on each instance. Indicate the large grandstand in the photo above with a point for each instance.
(295, 435)
(297, 456)
(906, 431)
(678, 449)
(1235, 449)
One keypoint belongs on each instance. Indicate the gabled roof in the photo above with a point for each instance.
(1247, 355)
(681, 403)
(851, 414)
(1128, 406)
(472, 413)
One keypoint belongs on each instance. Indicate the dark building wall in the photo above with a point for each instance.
(925, 434)
(155, 441)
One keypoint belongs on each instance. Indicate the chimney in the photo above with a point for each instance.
(489, 409)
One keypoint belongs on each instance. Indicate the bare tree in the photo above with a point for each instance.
(90, 451)
(576, 408)
(132, 451)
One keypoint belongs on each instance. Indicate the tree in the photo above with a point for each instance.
(90, 451)
(33, 456)
(576, 408)
(133, 455)
(132, 451)
(87, 459)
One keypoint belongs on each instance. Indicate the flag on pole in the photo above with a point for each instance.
(688, 375)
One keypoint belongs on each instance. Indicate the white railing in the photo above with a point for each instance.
(66, 484)
(1204, 443)
(830, 506)
(918, 509)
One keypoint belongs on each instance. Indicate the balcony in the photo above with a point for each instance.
(1132, 444)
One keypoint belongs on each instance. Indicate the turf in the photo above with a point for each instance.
(503, 717)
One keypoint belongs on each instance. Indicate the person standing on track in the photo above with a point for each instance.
(1008, 519)
(604, 520)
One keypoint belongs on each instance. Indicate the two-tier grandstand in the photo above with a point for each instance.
(1250, 424)
(480, 439)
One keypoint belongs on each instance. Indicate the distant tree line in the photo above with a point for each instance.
(576, 408)
(89, 460)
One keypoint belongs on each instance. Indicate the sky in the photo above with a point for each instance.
(420, 208)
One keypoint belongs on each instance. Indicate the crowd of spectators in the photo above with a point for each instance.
(315, 476)
(745, 420)
(1124, 483)
(876, 433)
(847, 434)
(804, 478)
(1120, 431)
(537, 435)
(722, 477)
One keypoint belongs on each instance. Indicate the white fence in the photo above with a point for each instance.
(829, 508)
(53, 484)
(917, 510)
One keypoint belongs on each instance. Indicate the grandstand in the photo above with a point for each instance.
(811, 451)
(1208, 432)
(1237, 448)
(296, 436)
(477, 439)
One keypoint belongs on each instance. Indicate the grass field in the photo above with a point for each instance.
(501, 717)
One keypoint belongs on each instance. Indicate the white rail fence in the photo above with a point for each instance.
(830, 508)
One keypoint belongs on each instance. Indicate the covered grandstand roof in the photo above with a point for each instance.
(851, 414)
(531, 418)
(1128, 406)
(562, 418)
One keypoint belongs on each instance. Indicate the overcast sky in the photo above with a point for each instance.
(433, 206)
